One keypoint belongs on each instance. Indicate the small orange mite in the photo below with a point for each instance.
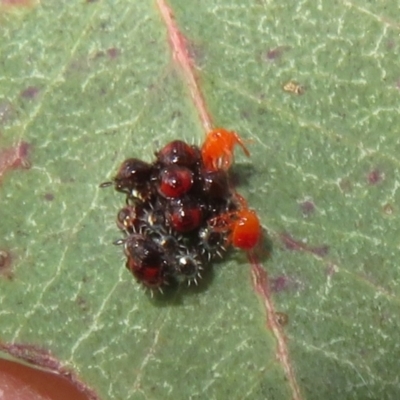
(243, 226)
(246, 230)
(217, 150)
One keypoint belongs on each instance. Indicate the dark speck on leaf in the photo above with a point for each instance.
(307, 208)
(176, 114)
(320, 251)
(31, 92)
(375, 176)
(276, 53)
(49, 196)
(82, 304)
(113, 52)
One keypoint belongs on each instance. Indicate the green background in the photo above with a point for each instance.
(106, 88)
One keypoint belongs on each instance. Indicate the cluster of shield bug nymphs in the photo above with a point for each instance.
(181, 212)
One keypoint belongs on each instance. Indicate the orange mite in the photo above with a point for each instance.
(246, 230)
(243, 226)
(217, 150)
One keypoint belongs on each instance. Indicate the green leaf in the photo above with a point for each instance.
(87, 84)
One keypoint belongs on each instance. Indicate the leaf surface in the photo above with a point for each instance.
(88, 84)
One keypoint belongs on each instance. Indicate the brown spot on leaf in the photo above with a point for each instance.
(113, 52)
(30, 93)
(5, 264)
(43, 358)
(307, 208)
(14, 157)
(375, 176)
(49, 196)
(276, 53)
(82, 304)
